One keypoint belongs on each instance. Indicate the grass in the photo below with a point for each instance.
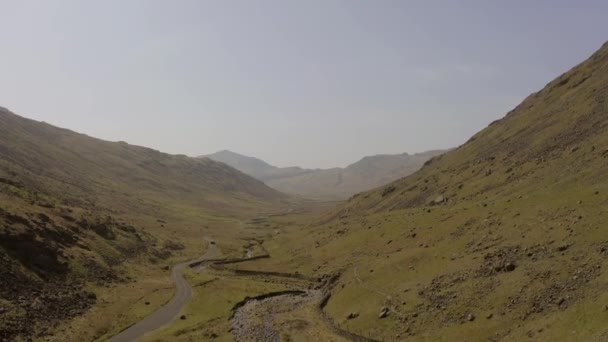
(61, 191)
(209, 310)
(530, 189)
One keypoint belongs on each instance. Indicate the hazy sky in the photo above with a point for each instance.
(311, 83)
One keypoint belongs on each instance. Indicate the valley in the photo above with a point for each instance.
(503, 238)
(486, 243)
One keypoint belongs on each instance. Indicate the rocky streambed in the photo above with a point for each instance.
(254, 319)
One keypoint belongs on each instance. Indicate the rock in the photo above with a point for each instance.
(470, 317)
(441, 199)
(182, 317)
(147, 303)
(509, 267)
(2, 310)
(490, 315)
(384, 312)
(352, 315)
(388, 190)
(563, 248)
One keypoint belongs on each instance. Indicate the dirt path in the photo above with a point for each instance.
(170, 311)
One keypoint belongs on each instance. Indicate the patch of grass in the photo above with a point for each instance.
(209, 310)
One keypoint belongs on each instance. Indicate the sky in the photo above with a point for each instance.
(313, 83)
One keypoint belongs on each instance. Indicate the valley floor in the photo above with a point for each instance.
(440, 273)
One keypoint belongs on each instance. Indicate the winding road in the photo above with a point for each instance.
(170, 311)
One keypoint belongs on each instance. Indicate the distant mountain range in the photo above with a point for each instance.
(328, 184)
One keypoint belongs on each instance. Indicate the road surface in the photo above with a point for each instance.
(169, 312)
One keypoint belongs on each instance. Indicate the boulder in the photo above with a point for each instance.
(441, 199)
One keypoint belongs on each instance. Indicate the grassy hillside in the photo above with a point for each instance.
(503, 239)
(80, 216)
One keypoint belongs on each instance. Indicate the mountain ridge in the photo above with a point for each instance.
(333, 183)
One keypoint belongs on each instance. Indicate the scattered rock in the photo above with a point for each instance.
(352, 315)
(384, 312)
(509, 267)
(388, 190)
(470, 317)
(441, 199)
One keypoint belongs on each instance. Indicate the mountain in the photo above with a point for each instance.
(255, 167)
(80, 215)
(504, 238)
(341, 183)
(329, 184)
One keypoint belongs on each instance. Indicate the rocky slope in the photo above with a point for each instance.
(504, 238)
(74, 210)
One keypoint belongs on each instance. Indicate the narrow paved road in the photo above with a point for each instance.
(171, 310)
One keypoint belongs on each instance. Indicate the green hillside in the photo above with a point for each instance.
(504, 238)
(79, 216)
